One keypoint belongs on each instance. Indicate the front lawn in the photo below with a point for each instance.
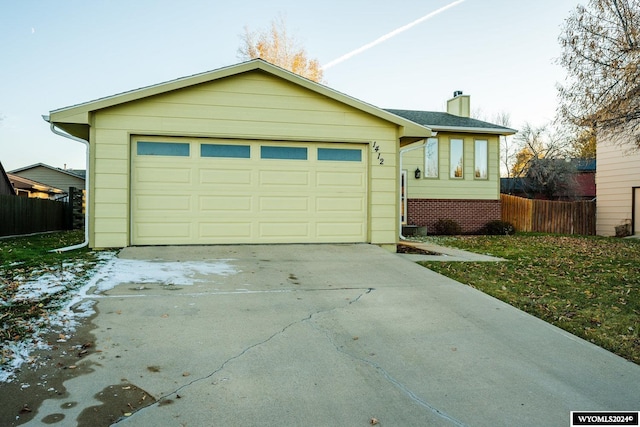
(35, 283)
(589, 286)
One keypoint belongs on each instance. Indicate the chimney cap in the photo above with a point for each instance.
(457, 93)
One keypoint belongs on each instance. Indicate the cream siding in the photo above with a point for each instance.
(618, 172)
(253, 105)
(444, 187)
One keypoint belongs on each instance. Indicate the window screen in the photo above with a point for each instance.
(457, 155)
(481, 159)
(431, 158)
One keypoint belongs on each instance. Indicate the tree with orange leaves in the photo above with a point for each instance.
(278, 47)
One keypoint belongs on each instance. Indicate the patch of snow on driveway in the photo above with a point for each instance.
(119, 271)
(110, 272)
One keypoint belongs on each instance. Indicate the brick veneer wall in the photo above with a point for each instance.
(472, 215)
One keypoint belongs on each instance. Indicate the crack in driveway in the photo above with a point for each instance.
(396, 383)
(176, 392)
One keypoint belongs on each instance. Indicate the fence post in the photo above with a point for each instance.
(70, 208)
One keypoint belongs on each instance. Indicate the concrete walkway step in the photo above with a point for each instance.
(445, 254)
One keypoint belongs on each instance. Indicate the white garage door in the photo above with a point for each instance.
(227, 191)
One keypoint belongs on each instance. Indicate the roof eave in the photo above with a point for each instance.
(79, 115)
(44, 165)
(494, 131)
(144, 92)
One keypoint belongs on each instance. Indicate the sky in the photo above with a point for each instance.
(61, 53)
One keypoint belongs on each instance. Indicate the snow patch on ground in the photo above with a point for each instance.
(110, 272)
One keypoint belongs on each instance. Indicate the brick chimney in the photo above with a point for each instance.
(459, 105)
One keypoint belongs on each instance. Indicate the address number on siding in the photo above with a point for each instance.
(376, 150)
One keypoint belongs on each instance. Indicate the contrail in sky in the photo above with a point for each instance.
(389, 35)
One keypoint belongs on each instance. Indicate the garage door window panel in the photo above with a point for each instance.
(283, 153)
(176, 149)
(225, 150)
(339, 154)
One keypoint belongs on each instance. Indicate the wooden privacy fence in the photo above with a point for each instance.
(547, 216)
(22, 215)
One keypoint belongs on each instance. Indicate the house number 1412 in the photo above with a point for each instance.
(376, 149)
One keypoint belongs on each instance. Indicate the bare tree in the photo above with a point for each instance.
(542, 162)
(554, 178)
(529, 144)
(601, 54)
(277, 46)
(507, 146)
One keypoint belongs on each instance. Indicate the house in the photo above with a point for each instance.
(617, 186)
(454, 174)
(250, 153)
(585, 178)
(582, 187)
(25, 187)
(51, 176)
(6, 187)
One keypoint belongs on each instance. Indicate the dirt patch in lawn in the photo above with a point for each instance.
(411, 249)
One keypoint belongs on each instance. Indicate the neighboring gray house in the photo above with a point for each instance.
(25, 187)
(52, 176)
(5, 185)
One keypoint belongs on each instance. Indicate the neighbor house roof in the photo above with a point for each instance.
(584, 165)
(75, 119)
(4, 177)
(22, 183)
(439, 121)
(78, 173)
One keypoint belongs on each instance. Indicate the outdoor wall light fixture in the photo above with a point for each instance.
(417, 173)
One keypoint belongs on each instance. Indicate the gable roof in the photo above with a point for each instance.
(22, 183)
(75, 119)
(76, 173)
(438, 121)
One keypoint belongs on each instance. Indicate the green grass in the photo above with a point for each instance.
(23, 259)
(589, 286)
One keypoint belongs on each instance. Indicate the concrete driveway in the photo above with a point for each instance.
(336, 335)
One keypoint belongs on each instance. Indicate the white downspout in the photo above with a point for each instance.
(86, 183)
(402, 151)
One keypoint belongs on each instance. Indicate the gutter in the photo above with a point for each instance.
(494, 131)
(402, 151)
(86, 183)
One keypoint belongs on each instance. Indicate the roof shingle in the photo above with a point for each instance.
(444, 121)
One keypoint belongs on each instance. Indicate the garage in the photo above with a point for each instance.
(213, 191)
(249, 153)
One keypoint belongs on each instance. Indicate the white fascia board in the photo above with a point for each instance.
(494, 131)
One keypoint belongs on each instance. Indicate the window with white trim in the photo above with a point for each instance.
(431, 158)
(481, 159)
(456, 168)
